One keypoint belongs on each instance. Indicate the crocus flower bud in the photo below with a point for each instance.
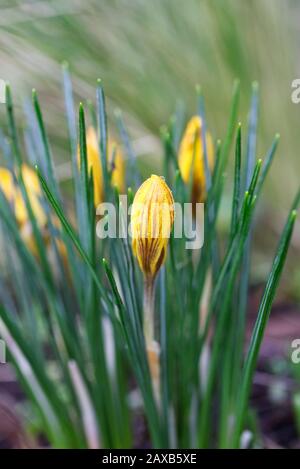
(13, 194)
(191, 158)
(152, 219)
(116, 165)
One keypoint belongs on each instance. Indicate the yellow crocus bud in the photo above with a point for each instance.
(34, 191)
(115, 158)
(14, 196)
(116, 165)
(7, 184)
(152, 218)
(191, 158)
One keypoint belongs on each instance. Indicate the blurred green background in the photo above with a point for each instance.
(150, 55)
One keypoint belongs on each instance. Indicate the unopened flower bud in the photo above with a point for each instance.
(152, 219)
(191, 158)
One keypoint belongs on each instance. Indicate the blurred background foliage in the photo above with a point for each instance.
(151, 54)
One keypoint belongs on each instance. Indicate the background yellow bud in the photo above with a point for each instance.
(115, 159)
(94, 163)
(7, 184)
(34, 192)
(152, 218)
(191, 158)
(14, 196)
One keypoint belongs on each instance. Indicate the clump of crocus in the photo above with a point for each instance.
(191, 158)
(116, 165)
(152, 218)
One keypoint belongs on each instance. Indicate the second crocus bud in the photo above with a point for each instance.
(191, 158)
(116, 165)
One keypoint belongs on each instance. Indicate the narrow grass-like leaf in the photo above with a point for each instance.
(252, 135)
(201, 113)
(237, 182)
(132, 174)
(69, 230)
(139, 362)
(12, 126)
(17, 154)
(48, 157)
(267, 164)
(46, 385)
(248, 168)
(296, 201)
(260, 325)
(103, 137)
(204, 433)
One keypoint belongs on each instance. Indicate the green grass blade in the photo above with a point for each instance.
(267, 164)
(12, 126)
(296, 201)
(260, 325)
(201, 113)
(132, 174)
(69, 230)
(247, 213)
(70, 108)
(85, 221)
(252, 135)
(45, 384)
(72, 129)
(18, 157)
(231, 126)
(103, 136)
(138, 361)
(48, 158)
(237, 183)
